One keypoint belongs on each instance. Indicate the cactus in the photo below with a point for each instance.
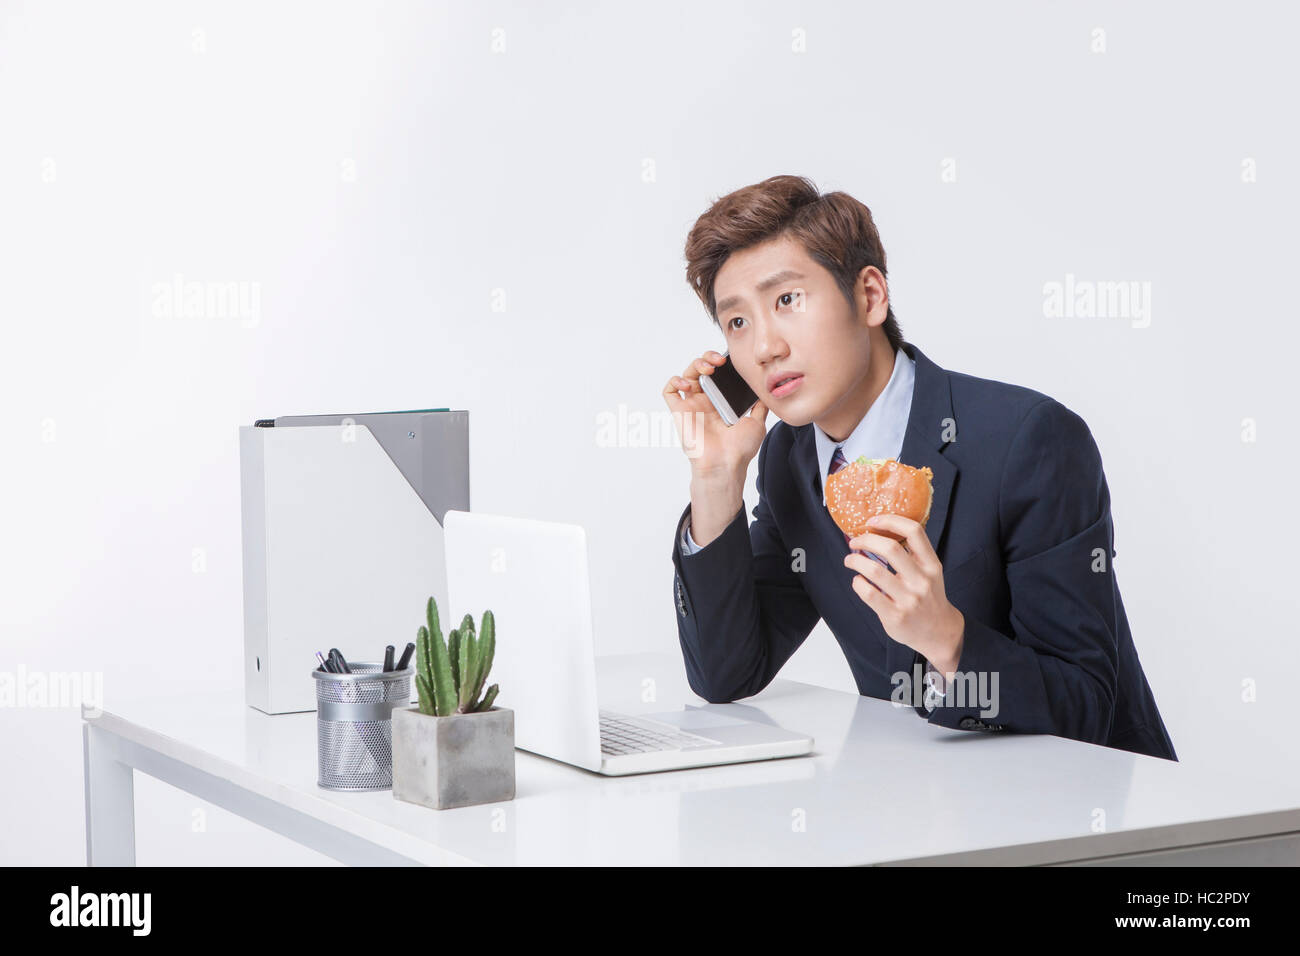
(485, 646)
(433, 678)
(449, 676)
(468, 663)
(453, 652)
(424, 672)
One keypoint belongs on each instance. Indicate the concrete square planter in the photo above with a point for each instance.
(454, 761)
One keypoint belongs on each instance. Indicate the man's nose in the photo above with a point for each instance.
(768, 346)
(767, 353)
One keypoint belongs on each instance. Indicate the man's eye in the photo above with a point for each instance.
(736, 319)
(788, 295)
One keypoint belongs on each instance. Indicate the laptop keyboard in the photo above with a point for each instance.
(620, 734)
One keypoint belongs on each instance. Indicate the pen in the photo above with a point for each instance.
(388, 658)
(323, 664)
(406, 656)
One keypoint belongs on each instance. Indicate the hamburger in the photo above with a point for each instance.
(875, 486)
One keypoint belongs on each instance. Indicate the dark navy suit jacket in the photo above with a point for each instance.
(1021, 522)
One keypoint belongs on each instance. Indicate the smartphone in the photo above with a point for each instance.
(728, 391)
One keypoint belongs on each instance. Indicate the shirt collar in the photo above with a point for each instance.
(880, 432)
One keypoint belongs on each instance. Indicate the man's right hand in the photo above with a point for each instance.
(717, 451)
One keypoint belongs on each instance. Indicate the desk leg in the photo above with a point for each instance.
(110, 803)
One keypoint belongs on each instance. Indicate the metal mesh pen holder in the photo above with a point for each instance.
(354, 725)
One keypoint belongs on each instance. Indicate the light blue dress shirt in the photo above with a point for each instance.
(878, 435)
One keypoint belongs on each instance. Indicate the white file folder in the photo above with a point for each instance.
(341, 546)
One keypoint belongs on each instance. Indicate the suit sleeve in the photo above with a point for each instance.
(1056, 673)
(741, 609)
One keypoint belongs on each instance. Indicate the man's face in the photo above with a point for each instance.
(800, 322)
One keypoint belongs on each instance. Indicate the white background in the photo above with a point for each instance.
(387, 179)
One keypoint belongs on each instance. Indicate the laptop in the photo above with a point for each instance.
(533, 575)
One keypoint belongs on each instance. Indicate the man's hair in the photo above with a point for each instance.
(836, 230)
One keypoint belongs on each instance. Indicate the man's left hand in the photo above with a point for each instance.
(911, 602)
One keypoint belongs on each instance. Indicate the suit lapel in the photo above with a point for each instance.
(929, 424)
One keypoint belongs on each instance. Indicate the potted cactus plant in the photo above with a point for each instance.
(454, 749)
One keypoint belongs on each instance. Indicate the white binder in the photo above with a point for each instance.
(342, 540)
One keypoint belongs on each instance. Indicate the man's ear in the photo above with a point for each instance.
(872, 296)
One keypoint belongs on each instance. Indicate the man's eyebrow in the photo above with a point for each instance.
(775, 278)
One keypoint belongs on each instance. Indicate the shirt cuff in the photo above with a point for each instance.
(688, 543)
(935, 689)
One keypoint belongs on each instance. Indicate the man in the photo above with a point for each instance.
(1006, 600)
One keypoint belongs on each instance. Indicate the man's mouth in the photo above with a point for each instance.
(787, 385)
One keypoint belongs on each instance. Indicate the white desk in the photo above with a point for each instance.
(882, 786)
